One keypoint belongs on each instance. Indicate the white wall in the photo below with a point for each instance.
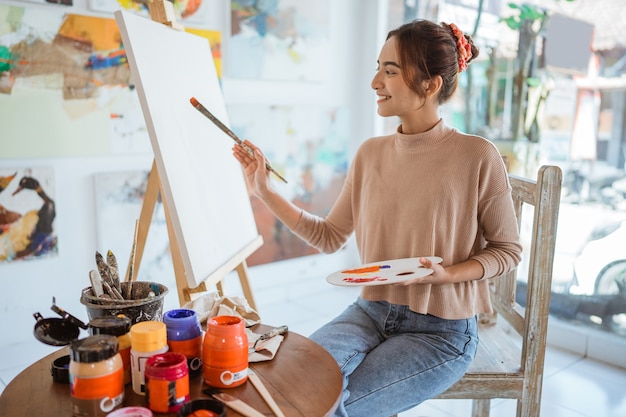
(28, 287)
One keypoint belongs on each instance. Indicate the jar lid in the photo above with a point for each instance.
(60, 369)
(94, 348)
(57, 331)
(181, 317)
(147, 336)
(168, 365)
(113, 325)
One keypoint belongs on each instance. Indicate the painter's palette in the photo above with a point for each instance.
(382, 273)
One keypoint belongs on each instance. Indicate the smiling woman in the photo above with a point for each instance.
(441, 191)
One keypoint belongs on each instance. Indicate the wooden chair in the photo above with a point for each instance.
(511, 352)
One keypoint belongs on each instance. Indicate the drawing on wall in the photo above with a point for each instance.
(27, 214)
(285, 40)
(309, 145)
(119, 198)
(71, 71)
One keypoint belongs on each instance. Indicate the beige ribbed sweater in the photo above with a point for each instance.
(439, 193)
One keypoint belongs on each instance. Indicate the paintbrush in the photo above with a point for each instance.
(130, 276)
(96, 283)
(105, 273)
(113, 270)
(258, 384)
(230, 133)
(237, 405)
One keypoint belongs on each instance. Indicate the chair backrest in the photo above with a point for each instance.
(531, 320)
(504, 367)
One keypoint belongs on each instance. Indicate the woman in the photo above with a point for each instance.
(426, 189)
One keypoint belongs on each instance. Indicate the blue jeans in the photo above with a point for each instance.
(392, 358)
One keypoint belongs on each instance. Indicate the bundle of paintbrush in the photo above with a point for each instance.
(106, 281)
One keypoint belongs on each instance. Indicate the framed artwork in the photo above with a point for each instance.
(73, 75)
(119, 199)
(308, 145)
(27, 213)
(286, 40)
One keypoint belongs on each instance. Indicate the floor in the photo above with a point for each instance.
(574, 386)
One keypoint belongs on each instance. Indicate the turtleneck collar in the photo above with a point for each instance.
(437, 134)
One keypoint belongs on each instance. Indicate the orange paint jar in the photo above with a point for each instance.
(167, 382)
(96, 376)
(225, 352)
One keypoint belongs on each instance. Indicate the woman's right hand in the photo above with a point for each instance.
(255, 172)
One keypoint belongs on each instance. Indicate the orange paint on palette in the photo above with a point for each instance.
(366, 269)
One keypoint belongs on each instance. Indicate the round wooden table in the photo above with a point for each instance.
(303, 379)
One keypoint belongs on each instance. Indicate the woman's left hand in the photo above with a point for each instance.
(465, 271)
(437, 276)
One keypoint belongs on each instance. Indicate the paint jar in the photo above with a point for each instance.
(96, 376)
(167, 382)
(147, 338)
(203, 407)
(225, 352)
(118, 326)
(184, 335)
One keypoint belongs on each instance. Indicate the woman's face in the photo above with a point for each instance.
(395, 98)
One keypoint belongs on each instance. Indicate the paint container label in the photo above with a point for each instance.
(192, 349)
(225, 378)
(97, 396)
(165, 396)
(138, 366)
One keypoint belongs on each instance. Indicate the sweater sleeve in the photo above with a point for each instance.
(500, 250)
(329, 234)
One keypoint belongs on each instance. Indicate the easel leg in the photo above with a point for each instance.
(242, 271)
(220, 288)
(177, 260)
(150, 198)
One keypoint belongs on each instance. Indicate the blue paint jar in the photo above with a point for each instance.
(184, 335)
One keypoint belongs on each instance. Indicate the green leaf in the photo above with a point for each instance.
(511, 22)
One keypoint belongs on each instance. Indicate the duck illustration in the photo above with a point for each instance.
(47, 212)
(32, 233)
(6, 216)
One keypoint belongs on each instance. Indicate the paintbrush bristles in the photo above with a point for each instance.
(130, 277)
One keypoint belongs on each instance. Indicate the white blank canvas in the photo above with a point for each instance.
(202, 183)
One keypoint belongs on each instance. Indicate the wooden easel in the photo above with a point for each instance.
(237, 262)
(162, 11)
